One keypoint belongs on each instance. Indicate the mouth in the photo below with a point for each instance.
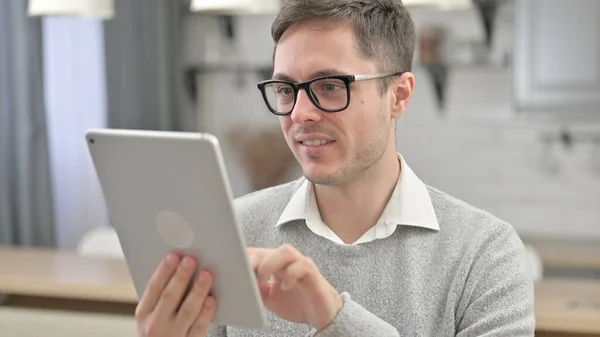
(315, 143)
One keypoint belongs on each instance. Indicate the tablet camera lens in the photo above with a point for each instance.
(92, 140)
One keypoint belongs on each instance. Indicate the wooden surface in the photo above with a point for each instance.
(69, 304)
(568, 305)
(63, 280)
(64, 274)
(567, 254)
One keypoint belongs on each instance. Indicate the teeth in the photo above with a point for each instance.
(315, 142)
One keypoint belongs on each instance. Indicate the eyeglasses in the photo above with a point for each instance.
(328, 93)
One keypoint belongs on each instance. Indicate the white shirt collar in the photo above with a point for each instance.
(409, 204)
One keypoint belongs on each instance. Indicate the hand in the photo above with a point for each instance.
(298, 292)
(163, 310)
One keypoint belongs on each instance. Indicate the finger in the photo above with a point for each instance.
(157, 284)
(173, 294)
(255, 260)
(256, 257)
(277, 260)
(265, 290)
(255, 250)
(200, 326)
(295, 273)
(192, 304)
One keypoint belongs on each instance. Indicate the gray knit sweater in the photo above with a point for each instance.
(470, 278)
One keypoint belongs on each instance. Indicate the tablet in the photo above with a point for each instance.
(169, 191)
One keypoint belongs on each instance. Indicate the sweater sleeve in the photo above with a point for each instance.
(216, 331)
(354, 320)
(497, 299)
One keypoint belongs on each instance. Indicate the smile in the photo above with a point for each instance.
(316, 142)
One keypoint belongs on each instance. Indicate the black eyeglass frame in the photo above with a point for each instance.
(347, 79)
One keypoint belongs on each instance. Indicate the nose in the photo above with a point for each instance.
(305, 111)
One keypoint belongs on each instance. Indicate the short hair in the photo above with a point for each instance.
(384, 29)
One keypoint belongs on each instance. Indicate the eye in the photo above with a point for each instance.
(330, 86)
(284, 90)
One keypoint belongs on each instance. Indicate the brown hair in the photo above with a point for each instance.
(384, 30)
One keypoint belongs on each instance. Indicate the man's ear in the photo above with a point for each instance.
(402, 91)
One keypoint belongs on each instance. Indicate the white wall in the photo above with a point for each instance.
(484, 154)
(479, 150)
(74, 83)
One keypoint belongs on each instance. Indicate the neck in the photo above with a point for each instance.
(364, 198)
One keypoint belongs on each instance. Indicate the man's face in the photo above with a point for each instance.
(358, 136)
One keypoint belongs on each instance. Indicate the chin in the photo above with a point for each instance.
(320, 175)
(324, 170)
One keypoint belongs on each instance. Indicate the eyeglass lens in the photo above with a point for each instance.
(328, 94)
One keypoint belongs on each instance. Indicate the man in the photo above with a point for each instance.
(359, 246)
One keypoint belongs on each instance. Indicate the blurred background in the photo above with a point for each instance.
(506, 115)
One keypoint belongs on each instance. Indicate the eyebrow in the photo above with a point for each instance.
(320, 73)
